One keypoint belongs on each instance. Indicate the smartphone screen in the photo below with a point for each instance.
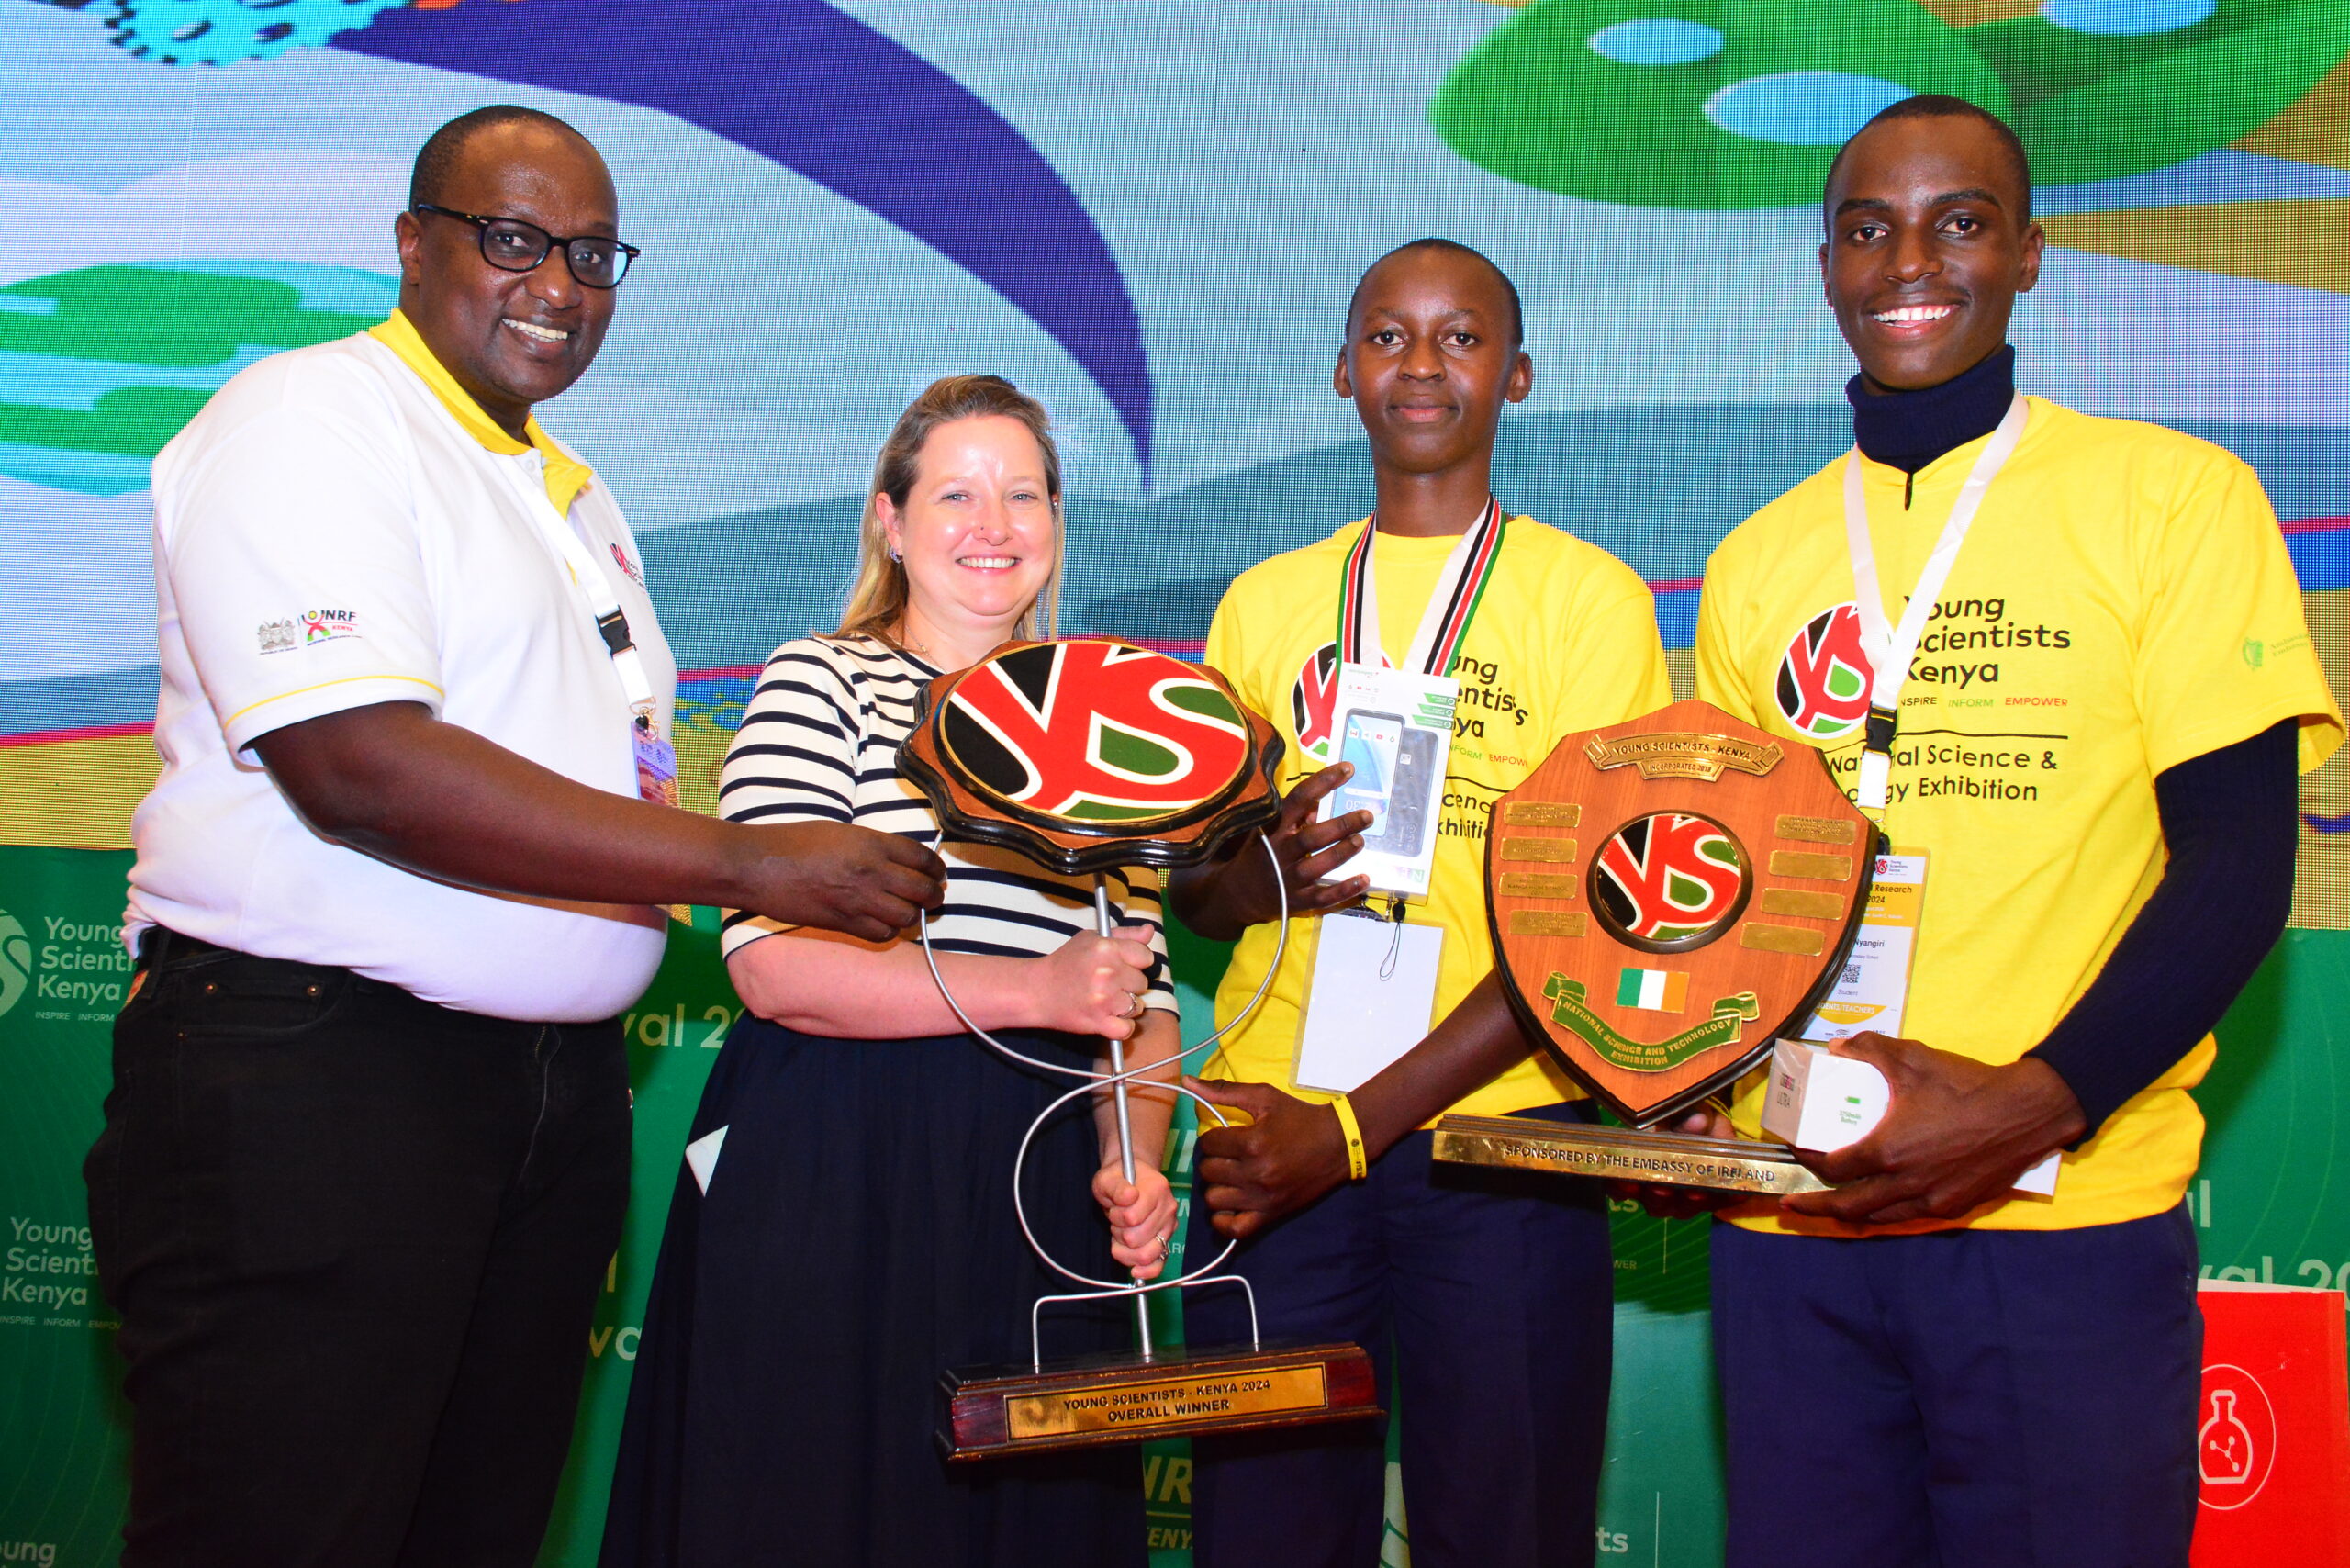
(1369, 744)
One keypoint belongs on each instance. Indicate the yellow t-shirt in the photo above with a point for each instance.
(1565, 640)
(2123, 603)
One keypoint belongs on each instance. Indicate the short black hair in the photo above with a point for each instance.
(437, 159)
(1432, 243)
(1943, 106)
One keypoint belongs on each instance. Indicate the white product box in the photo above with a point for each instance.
(1819, 1102)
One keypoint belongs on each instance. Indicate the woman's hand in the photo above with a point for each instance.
(1141, 1214)
(1093, 985)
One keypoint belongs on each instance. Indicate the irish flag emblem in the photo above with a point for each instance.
(1655, 989)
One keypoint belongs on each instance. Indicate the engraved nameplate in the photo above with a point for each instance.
(1534, 885)
(1796, 863)
(1680, 754)
(1817, 830)
(1553, 849)
(1159, 1405)
(1540, 814)
(1547, 922)
(1808, 906)
(1793, 939)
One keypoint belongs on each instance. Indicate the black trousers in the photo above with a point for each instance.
(1485, 1298)
(1991, 1398)
(354, 1239)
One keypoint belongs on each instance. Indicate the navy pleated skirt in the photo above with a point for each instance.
(857, 1238)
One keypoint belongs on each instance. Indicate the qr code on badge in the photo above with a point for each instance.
(1851, 975)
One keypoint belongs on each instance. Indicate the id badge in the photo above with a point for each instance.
(1372, 998)
(1873, 990)
(657, 780)
(656, 766)
(1395, 728)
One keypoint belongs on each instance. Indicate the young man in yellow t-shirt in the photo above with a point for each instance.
(1493, 1292)
(2095, 748)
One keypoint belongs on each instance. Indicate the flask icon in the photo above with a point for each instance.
(2223, 1445)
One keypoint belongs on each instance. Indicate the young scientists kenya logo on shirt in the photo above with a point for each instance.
(1824, 676)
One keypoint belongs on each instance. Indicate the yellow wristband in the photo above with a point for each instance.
(1357, 1166)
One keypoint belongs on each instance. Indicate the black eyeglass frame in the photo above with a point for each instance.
(554, 242)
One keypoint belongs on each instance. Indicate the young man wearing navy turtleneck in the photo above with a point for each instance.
(2094, 744)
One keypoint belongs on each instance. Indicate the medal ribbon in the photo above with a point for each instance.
(1891, 648)
(1444, 623)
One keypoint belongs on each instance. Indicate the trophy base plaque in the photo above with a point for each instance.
(1117, 1398)
(1621, 1154)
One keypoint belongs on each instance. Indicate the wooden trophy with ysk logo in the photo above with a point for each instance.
(1090, 755)
(1667, 897)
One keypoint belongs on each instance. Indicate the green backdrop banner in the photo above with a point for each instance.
(2267, 1204)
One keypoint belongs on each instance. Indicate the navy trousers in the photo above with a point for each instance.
(1964, 1399)
(1484, 1298)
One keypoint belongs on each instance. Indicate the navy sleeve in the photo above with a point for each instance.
(2230, 820)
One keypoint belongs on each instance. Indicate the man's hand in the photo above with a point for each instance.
(840, 878)
(1957, 1135)
(1252, 1176)
(1666, 1202)
(1225, 897)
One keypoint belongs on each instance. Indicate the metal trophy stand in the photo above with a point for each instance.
(995, 748)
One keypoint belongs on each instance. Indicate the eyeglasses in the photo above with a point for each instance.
(511, 245)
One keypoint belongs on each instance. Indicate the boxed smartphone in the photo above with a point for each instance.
(1396, 729)
(1821, 1102)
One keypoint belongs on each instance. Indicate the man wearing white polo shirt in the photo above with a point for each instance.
(367, 1146)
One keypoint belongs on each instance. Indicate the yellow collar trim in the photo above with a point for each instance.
(566, 475)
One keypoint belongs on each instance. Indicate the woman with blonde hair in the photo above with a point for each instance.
(844, 1230)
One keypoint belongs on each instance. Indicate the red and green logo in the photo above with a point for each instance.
(1668, 881)
(1824, 676)
(1095, 731)
(1312, 698)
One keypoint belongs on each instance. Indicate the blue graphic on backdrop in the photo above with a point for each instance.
(850, 108)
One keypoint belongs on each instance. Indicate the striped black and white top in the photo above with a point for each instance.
(819, 742)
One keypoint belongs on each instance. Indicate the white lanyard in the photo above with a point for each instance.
(603, 602)
(1890, 649)
(1444, 622)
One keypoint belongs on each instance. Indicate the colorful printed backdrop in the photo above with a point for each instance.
(1151, 214)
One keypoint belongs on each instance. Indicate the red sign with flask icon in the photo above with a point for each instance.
(2272, 1440)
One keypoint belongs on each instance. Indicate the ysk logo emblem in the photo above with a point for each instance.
(1824, 676)
(1096, 732)
(15, 961)
(1667, 876)
(1312, 698)
(636, 573)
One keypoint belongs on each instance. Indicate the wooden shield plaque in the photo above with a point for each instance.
(1667, 896)
(1092, 754)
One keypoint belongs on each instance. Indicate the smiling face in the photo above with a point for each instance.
(511, 339)
(1927, 246)
(1428, 359)
(979, 528)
